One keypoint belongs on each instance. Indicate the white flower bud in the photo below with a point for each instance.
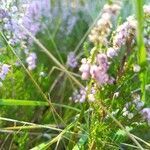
(136, 68)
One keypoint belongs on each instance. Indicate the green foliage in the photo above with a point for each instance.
(36, 111)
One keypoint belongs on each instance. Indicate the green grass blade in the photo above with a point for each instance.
(11, 102)
(14, 102)
(141, 48)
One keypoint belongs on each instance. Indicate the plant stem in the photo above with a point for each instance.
(141, 48)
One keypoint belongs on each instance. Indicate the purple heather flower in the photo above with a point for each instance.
(31, 61)
(99, 75)
(125, 32)
(91, 95)
(103, 27)
(85, 69)
(102, 61)
(81, 95)
(111, 80)
(97, 71)
(72, 60)
(4, 69)
(146, 114)
(111, 52)
(3, 14)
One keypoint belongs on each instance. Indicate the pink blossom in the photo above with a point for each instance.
(4, 71)
(99, 75)
(111, 52)
(146, 114)
(72, 60)
(31, 60)
(85, 69)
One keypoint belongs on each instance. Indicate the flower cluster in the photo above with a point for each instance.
(85, 68)
(31, 61)
(4, 69)
(28, 14)
(125, 32)
(131, 108)
(98, 71)
(146, 114)
(31, 20)
(69, 20)
(72, 60)
(83, 94)
(102, 29)
(97, 65)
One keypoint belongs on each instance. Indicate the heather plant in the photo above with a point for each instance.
(74, 75)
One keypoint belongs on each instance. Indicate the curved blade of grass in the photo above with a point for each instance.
(28, 123)
(25, 127)
(55, 139)
(14, 102)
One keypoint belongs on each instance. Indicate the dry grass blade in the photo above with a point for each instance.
(35, 83)
(51, 56)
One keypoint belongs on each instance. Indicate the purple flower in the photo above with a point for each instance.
(79, 95)
(3, 14)
(111, 52)
(102, 62)
(146, 114)
(72, 60)
(84, 93)
(31, 61)
(103, 27)
(99, 75)
(4, 71)
(97, 71)
(125, 32)
(85, 69)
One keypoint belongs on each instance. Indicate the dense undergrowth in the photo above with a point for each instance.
(74, 75)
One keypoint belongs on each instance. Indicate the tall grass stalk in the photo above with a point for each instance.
(52, 57)
(141, 48)
(33, 80)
